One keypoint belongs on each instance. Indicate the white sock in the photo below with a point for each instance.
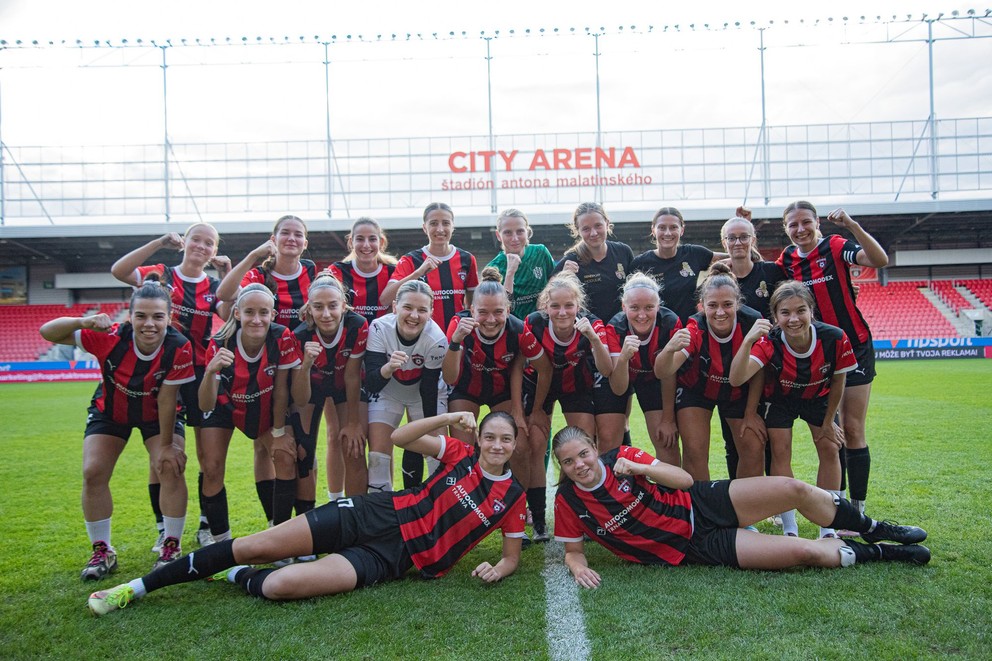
(223, 537)
(860, 504)
(99, 531)
(334, 495)
(827, 531)
(380, 475)
(139, 588)
(233, 572)
(203, 518)
(847, 557)
(174, 526)
(789, 524)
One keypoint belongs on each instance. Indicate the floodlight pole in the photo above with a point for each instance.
(492, 144)
(165, 131)
(765, 167)
(327, 119)
(599, 122)
(932, 119)
(3, 197)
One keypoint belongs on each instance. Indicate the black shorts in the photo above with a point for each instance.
(220, 418)
(456, 394)
(714, 525)
(365, 531)
(575, 402)
(190, 398)
(864, 373)
(687, 398)
(649, 395)
(604, 400)
(782, 414)
(98, 423)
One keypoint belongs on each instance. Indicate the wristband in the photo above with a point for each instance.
(278, 432)
(455, 346)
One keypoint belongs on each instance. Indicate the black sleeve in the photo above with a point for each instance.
(374, 381)
(428, 391)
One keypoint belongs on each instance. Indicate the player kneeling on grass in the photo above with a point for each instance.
(377, 537)
(649, 512)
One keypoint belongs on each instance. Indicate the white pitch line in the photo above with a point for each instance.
(566, 627)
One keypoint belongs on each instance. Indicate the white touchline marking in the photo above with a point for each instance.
(566, 627)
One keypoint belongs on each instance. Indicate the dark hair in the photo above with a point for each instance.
(570, 433)
(720, 275)
(152, 288)
(580, 249)
(789, 289)
(434, 206)
(383, 256)
(266, 266)
(665, 211)
(491, 284)
(497, 415)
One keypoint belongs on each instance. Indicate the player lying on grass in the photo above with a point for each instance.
(377, 537)
(649, 512)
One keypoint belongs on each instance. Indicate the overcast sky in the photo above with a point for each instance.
(61, 96)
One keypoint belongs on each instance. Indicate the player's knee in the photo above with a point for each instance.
(95, 474)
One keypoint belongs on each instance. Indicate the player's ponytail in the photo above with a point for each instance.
(153, 288)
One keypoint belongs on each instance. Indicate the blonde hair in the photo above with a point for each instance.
(755, 255)
(639, 280)
(226, 331)
(562, 280)
(580, 248)
(325, 281)
(565, 435)
(802, 205)
(513, 213)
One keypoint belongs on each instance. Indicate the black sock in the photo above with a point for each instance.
(768, 458)
(303, 506)
(203, 510)
(864, 552)
(858, 468)
(730, 447)
(215, 507)
(848, 517)
(200, 564)
(413, 469)
(626, 440)
(537, 502)
(154, 492)
(265, 490)
(843, 468)
(251, 580)
(283, 496)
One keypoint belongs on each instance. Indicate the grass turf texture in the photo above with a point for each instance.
(929, 433)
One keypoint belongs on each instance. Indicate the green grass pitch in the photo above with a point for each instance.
(930, 431)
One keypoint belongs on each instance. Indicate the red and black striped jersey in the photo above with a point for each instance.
(327, 372)
(194, 302)
(826, 272)
(484, 370)
(364, 289)
(450, 281)
(790, 375)
(247, 384)
(706, 370)
(572, 361)
(641, 365)
(291, 290)
(459, 505)
(633, 518)
(131, 380)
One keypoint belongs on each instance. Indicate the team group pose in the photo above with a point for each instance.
(404, 355)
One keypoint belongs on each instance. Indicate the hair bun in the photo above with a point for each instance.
(492, 274)
(721, 267)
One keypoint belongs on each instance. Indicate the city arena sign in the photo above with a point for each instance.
(544, 168)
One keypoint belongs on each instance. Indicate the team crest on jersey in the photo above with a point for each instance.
(625, 486)
(209, 298)
(686, 270)
(762, 290)
(826, 368)
(461, 274)
(821, 263)
(539, 273)
(158, 375)
(270, 370)
(506, 357)
(451, 480)
(346, 352)
(620, 272)
(600, 532)
(498, 506)
(418, 360)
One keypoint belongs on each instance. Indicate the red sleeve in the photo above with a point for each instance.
(336, 272)
(452, 325)
(361, 339)
(529, 346)
(472, 277)
(251, 277)
(695, 339)
(613, 340)
(567, 526)
(600, 329)
(289, 350)
(181, 370)
(404, 267)
(514, 521)
(762, 350)
(143, 271)
(845, 360)
(635, 455)
(96, 343)
(453, 450)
